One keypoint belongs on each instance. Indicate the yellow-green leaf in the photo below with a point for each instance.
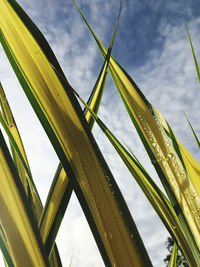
(193, 53)
(58, 197)
(5, 248)
(61, 188)
(195, 136)
(174, 255)
(16, 219)
(21, 163)
(17, 147)
(64, 122)
(155, 196)
(163, 155)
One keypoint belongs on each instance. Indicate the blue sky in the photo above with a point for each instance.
(152, 45)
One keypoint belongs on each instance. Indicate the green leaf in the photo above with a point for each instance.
(155, 196)
(174, 255)
(96, 95)
(5, 249)
(193, 53)
(176, 182)
(195, 136)
(55, 206)
(63, 120)
(18, 153)
(61, 188)
(16, 218)
(12, 135)
(21, 163)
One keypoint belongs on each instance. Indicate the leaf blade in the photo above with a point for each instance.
(17, 221)
(193, 54)
(55, 206)
(154, 139)
(157, 199)
(62, 117)
(174, 255)
(21, 163)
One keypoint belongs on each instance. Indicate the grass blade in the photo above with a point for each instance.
(64, 122)
(55, 206)
(195, 136)
(5, 249)
(193, 53)
(7, 115)
(21, 163)
(189, 163)
(12, 137)
(61, 188)
(18, 153)
(157, 199)
(17, 221)
(174, 255)
(161, 152)
(95, 97)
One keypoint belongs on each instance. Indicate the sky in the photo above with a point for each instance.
(152, 46)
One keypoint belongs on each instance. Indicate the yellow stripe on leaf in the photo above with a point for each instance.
(17, 225)
(117, 231)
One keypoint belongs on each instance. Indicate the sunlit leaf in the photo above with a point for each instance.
(21, 163)
(64, 122)
(55, 206)
(5, 249)
(61, 188)
(18, 152)
(195, 136)
(193, 53)
(155, 196)
(16, 219)
(189, 163)
(174, 255)
(176, 182)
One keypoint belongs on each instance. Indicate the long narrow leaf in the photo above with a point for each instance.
(6, 112)
(155, 196)
(193, 53)
(55, 206)
(5, 249)
(162, 154)
(195, 136)
(95, 97)
(174, 255)
(156, 142)
(61, 187)
(64, 122)
(21, 163)
(18, 223)
(12, 139)
(20, 160)
(189, 163)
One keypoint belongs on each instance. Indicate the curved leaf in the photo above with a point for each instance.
(55, 206)
(61, 188)
(18, 152)
(155, 196)
(21, 163)
(5, 249)
(174, 255)
(163, 155)
(64, 122)
(195, 136)
(193, 53)
(18, 223)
